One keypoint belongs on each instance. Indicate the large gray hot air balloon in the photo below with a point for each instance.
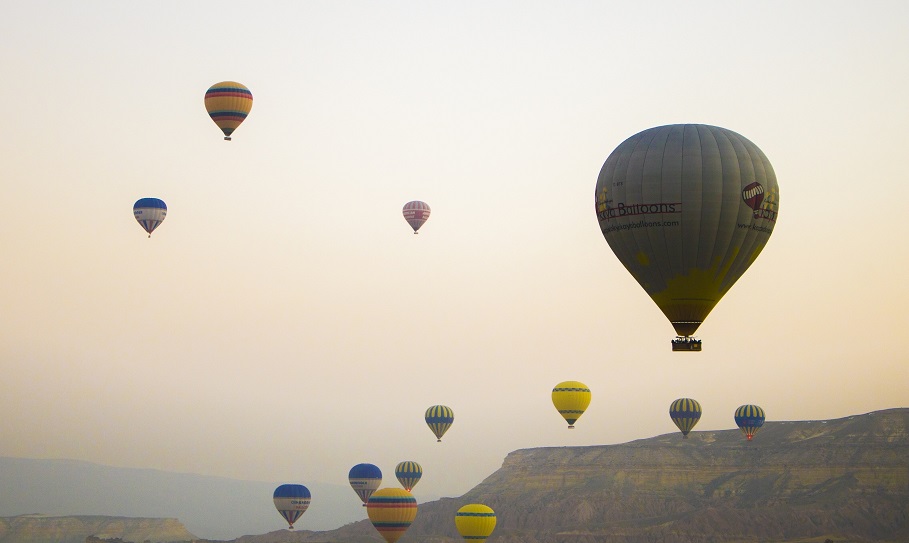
(687, 208)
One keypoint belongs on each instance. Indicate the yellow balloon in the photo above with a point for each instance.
(228, 103)
(391, 511)
(571, 398)
(475, 522)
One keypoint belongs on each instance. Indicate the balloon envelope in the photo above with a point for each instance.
(571, 398)
(685, 413)
(687, 209)
(408, 474)
(416, 213)
(391, 511)
(439, 419)
(228, 103)
(749, 419)
(475, 522)
(291, 501)
(364, 479)
(150, 213)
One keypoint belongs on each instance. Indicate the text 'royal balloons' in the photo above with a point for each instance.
(685, 413)
(391, 511)
(439, 419)
(749, 419)
(416, 213)
(475, 522)
(291, 501)
(228, 103)
(364, 479)
(571, 398)
(408, 474)
(687, 209)
(150, 213)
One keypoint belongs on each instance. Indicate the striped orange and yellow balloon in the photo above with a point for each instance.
(571, 398)
(475, 522)
(391, 511)
(228, 103)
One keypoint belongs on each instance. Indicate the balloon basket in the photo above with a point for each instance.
(226, 138)
(686, 344)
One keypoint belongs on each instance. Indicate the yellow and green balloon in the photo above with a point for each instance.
(475, 522)
(571, 399)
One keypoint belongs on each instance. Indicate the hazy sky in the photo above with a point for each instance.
(285, 324)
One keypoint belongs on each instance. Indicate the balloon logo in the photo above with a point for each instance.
(687, 209)
(228, 103)
(416, 213)
(749, 419)
(685, 413)
(439, 419)
(150, 213)
(291, 501)
(391, 511)
(408, 474)
(475, 522)
(753, 195)
(364, 479)
(571, 399)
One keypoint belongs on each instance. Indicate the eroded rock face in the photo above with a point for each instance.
(75, 529)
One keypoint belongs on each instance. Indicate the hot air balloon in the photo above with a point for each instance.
(408, 474)
(416, 213)
(291, 501)
(365, 479)
(391, 511)
(685, 413)
(687, 209)
(150, 213)
(439, 419)
(571, 398)
(475, 522)
(228, 103)
(749, 419)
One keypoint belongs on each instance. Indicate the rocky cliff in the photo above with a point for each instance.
(46, 529)
(809, 481)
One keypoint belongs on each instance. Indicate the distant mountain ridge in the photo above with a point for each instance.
(797, 482)
(211, 507)
(843, 480)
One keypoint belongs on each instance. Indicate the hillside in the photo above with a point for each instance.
(844, 480)
(44, 529)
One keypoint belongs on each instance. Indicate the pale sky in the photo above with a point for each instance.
(284, 324)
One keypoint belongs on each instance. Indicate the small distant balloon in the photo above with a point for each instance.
(571, 399)
(150, 213)
(685, 413)
(439, 419)
(749, 419)
(408, 474)
(228, 103)
(291, 501)
(391, 511)
(364, 479)
(475, 522)
(416, 213)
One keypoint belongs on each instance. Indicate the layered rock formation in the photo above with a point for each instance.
(45, 529)
(843, 480)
